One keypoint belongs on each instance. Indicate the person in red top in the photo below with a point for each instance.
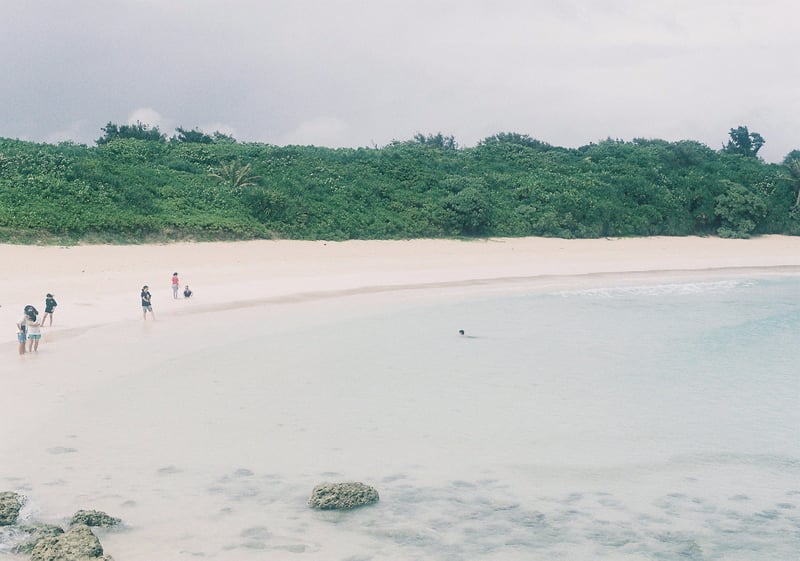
(175, 285)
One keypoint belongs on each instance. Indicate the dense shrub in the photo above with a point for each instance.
(134, 188)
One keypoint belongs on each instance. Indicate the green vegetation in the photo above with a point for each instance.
(137, 185)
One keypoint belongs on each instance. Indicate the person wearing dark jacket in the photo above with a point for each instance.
(49, 306)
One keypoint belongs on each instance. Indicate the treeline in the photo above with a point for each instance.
(137, 185)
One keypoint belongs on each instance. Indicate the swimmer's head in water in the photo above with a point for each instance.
(460, 331)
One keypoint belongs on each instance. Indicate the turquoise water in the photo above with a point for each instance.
(651, 421)
(635, 420)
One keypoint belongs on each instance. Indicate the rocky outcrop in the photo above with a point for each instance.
(95, 518)
(10, 503)
(46, 542)
(36, 532)
(333, 496)
(78, 544)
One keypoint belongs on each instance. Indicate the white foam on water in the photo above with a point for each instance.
(668, 289)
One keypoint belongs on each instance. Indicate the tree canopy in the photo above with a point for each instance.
(744, 142)
(135, 185)
(194, 135)
(137, 130)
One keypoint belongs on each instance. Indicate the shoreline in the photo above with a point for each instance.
(100, 284)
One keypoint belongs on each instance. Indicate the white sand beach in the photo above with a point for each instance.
(100, 284)
(133, 417)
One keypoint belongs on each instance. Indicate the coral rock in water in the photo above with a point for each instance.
(78, 544)
(36, 532)
(330, 496)
(10, 503)
(94, 518)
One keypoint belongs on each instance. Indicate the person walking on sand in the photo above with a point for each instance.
(34, 332)
(22, 333)
(146, 305)
(175, 285)
(49, 306)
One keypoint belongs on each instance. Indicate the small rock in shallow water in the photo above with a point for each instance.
(78, 544)
(332, 496)
(36, 531)
(94, 518)
(62, 450)
(10, 503)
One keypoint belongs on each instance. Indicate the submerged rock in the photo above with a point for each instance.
(78, 544)
(94, 518)
(332, 496)
(36, 532)
(10, 503)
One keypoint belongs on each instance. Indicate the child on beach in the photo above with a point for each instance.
(22, 335)
(186, 292)
(175, 285)
(34, 333)
(49, 306)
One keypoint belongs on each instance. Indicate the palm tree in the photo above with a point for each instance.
(792, 164)
(234, 174)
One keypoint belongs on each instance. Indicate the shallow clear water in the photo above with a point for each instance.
(626, 421)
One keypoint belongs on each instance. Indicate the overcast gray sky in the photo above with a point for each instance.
(361, 73)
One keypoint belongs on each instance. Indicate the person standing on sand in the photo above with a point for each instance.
(146, 306)
(22, 333)
(175, 285)
(34, 333)
(49, 306)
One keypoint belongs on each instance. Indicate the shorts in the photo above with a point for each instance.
(34, 336)
(21, 337)
(148, 309)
